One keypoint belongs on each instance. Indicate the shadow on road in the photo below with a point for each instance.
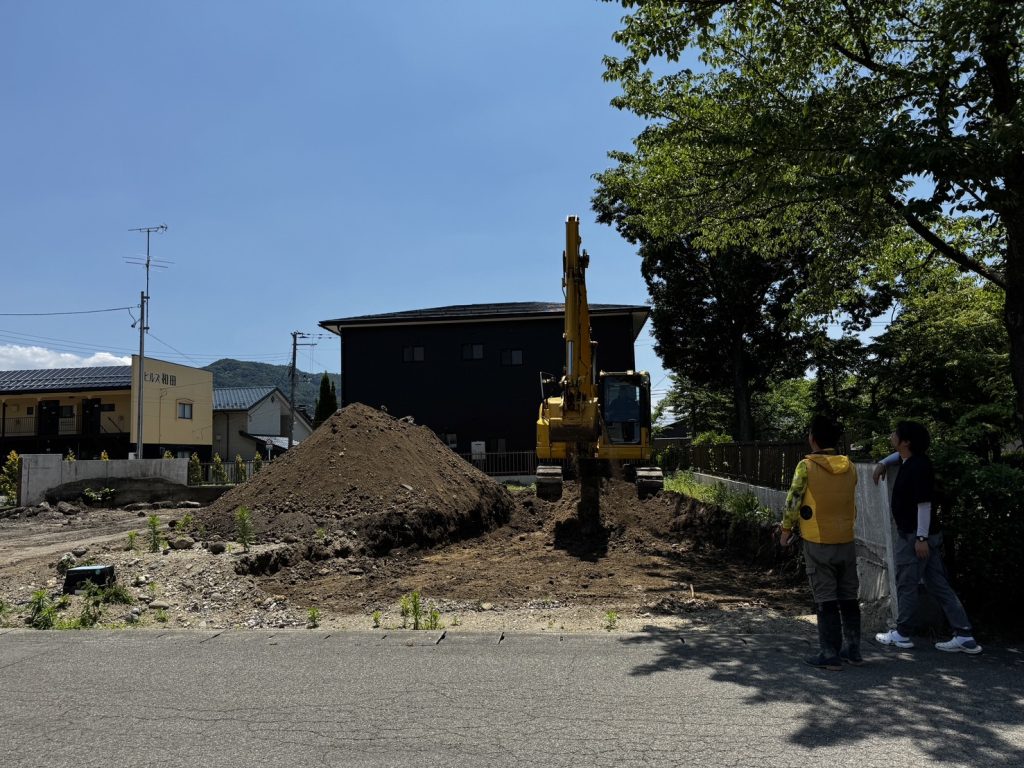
(953, 707)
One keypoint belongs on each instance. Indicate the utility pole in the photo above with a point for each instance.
(296, 335)
(143, 318)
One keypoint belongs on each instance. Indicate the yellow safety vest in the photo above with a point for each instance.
(828, 510)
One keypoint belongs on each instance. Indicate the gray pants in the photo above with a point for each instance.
(831, 570)
(910, 570)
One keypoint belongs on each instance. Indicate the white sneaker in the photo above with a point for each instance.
(960, 645)
(892, 637)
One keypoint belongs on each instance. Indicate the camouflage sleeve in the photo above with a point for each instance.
(795, 497)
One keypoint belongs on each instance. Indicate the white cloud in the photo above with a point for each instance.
(14, 357)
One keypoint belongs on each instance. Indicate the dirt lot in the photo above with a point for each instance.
(391, 511)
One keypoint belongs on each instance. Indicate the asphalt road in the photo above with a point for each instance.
(146, 698)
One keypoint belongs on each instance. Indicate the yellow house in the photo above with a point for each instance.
(91, 410)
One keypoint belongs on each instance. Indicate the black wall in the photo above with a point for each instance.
(474, 399)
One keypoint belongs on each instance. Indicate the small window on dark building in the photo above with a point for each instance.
(412, 354)
(472, 351)
(67, 411)
(184, 410)
(30, 410)
(106, 407)
(511, 357)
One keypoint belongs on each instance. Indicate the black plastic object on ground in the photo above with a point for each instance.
(100, 575)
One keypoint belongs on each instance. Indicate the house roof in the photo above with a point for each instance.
(279, 442)
(66, 379)
(462, 313)
(239, 398)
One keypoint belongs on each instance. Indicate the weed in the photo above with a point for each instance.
(168, 455)
(456, 621)
(42, 611)
(416, 609)
(151, 588)
(101, 496)
(433, 620)
(161, 615)
(376, 619)
(104, 456)
(313, 614)
(115, 593)
(153, 524)
(405, 609)
(5, 610)
(92, 607)
(132, 536)
(9, 477)
(70, 456)
(611, 620)
(321, 535)
(186, 524)
(257, 462)
(243, 523)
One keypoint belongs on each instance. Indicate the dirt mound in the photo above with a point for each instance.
(366, 476)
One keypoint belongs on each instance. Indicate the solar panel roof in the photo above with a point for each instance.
(66, 379)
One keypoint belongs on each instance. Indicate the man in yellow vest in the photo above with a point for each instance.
(821, 502)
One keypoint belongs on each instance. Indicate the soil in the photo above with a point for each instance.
(370, 509)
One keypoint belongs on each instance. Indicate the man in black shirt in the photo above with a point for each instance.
(918, 545)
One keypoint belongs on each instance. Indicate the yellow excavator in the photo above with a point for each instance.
(591, 422)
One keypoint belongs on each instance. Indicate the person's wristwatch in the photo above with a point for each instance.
(922, 538)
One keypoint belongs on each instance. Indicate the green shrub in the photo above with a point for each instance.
(313, 615)
(9, 477)
(257, 462)
(243, 525)
(132, 543)
(153, 526)
(218, 474)
(168, 455)
(240, 473)
(376, 619)
(195, 470)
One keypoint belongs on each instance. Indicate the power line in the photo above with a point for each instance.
(51, 314)
(156, 338)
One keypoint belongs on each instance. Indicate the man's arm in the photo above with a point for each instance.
(794, 499)
(892, 460)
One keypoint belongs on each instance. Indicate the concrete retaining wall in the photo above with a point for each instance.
(874, 531)
(42, 472)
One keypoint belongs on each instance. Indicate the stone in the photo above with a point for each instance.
(138, 506)
(157, 605)
(486, 606)
(67, 560)
(182, 542)
(66, 508)
(79, 551)
(216, 547)
(189, 504)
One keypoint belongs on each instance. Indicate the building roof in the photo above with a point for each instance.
(66, 379)
(279, 442)
(462, 313)
(239, 398)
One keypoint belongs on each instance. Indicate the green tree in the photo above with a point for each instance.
(195, 470)
(217, 472)
(326, 402)
(839, 120)
(240, 472)
(9, 477)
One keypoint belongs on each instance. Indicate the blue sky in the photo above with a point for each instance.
(312, 160)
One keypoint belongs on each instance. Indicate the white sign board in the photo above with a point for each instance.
(478, 449)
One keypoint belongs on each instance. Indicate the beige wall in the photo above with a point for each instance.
(165, 386)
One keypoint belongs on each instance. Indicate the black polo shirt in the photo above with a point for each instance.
(914, 484)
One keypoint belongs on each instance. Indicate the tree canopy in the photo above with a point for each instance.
(827, 126)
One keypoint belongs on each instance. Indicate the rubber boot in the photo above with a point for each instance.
(850, 612)
(830, 637)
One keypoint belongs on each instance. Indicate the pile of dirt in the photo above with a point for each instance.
(365, 482)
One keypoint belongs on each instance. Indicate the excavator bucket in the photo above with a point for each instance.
(649, 480)
(549, 482)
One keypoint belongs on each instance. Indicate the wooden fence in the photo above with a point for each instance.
(767, 464)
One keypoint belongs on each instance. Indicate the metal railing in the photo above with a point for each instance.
(208, 474)
(26, 426)
(505, 463)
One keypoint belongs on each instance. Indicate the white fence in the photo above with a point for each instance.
(874, 531)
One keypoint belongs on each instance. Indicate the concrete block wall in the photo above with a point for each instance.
(874, 530)
(42, 472)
